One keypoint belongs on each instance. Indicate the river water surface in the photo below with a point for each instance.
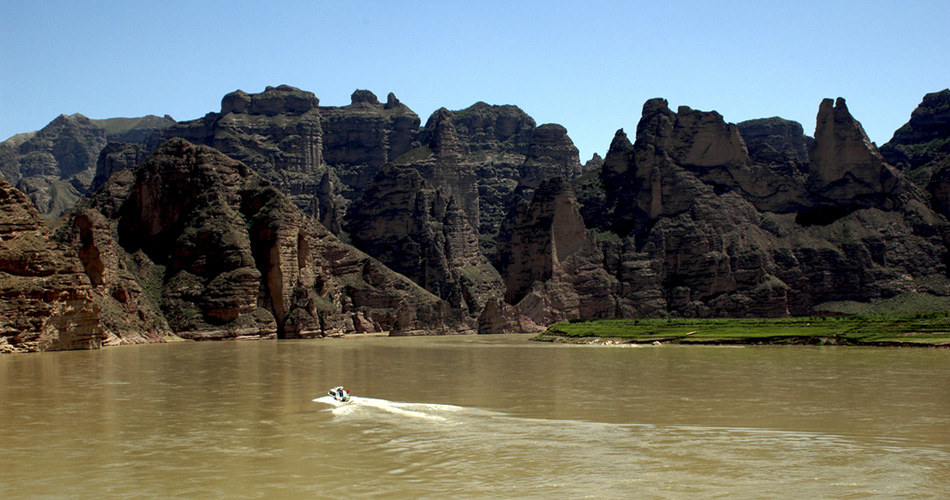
(474, 417)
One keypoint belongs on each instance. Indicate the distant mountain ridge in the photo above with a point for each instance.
(55, 166)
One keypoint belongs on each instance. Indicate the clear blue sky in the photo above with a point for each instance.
(586, 65)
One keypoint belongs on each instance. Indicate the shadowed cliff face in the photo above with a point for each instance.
(284, 135)
(694, 217)
(688, 223)
(553, 266)
(232, 256)
(488, 158)
(421, 232)
(361, 137)
(921, 148)
(277, 133)
(54, 166)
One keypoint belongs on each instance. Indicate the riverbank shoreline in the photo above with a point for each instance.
(887, 331)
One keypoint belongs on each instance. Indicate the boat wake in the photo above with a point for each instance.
(357, 404)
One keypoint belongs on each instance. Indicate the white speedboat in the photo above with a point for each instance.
(340, 394)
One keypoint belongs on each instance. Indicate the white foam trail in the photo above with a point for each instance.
(426, 411)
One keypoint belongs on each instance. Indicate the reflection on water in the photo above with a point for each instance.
(474, 417)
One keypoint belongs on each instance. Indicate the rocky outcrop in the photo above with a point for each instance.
(688, 223)
(921, 148)
(139, 130)
(127, 287)
(46, 301)
(284, 135)
(420, 232)
(846, 169)
(361, 137)
(327, 205)
(236, 259)
(776, 140)
(117, 156)
(488, 158)
(277, 133)
(923, 138)
(56, 166)
(553, 267)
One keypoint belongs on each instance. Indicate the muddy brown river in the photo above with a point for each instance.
(474, 417)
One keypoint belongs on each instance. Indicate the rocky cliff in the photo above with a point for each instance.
(227, 255)
(421, 232)
(55, 166)
(489, 157)
(479, 218)
(689, 223)
(277, 133)
(46, 301)
(553, 266)
(921, 148)
(288, 138)
(361, 137)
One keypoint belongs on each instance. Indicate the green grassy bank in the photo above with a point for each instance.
(884, 330)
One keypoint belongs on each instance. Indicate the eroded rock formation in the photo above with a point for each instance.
(55, 166)
(276, 132)
(488, 158)
(421, 232)
(361, 137)
(46, 300)
(236, 259)
(693, 216)
(553, 266)
(921, 148)
(691, 224)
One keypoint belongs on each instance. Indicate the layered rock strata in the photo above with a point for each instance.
(361, 137)
(46, 301)
(236, 259)
(488, 158)
(277, 133)
(690, 224)
(421, 232)
(56, 166)
(553, 266)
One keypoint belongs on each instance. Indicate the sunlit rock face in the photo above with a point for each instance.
(277, 133)
(46, 300)
(236, 259)
(488, 158)
(56, 166)
(361, 137)
(553, 266)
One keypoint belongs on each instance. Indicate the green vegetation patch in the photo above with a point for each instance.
(413, 155)
(920, 329)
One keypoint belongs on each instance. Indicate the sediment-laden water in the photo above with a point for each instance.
(474, 417)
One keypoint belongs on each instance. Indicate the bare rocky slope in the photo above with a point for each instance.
(921, 148)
